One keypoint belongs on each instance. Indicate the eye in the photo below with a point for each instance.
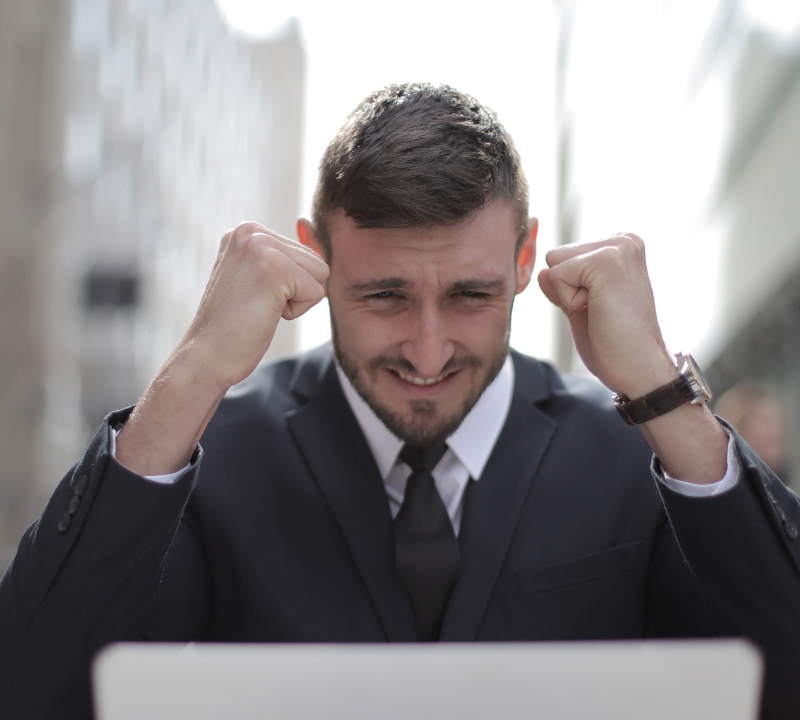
(383, 295)
(473, 295)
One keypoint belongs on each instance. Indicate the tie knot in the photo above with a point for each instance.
(422, 459)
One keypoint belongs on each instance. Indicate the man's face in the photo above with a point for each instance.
(421, 317)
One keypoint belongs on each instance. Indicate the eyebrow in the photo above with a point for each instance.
(476, 284)
(390, 283)
(398, 283)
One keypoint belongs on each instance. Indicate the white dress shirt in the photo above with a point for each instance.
(468, 449)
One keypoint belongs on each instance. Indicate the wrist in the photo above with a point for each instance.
(195, 365)
(650, 375)
(688, 386)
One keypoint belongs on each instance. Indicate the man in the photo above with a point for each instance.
(328, 507)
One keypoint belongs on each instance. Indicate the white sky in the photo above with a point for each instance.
(645, 152)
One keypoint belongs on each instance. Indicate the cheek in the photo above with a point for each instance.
(484, 327)
(363, 334)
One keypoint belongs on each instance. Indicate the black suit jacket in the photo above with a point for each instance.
(285, 535)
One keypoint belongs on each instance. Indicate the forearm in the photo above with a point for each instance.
(258, 278)
(690, 444)
(167, 423)
(688, 441)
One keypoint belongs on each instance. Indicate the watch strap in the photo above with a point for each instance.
(658, 402)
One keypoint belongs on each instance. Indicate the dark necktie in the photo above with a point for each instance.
(426, 549)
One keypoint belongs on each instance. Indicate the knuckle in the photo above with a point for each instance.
(244, 230)
(269, 258)
(631, 243)
(626, 245)
(274, 263)
(258, 245)
(249, 226)
(636, 242)
(614, 257)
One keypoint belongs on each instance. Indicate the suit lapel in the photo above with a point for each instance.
(342, 464)
(492, 505)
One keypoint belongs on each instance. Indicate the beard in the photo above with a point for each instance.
(424, 425)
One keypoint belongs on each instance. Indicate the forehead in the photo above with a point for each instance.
(484, 243)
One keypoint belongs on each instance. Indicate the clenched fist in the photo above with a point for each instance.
(604, 290)
(258, 278)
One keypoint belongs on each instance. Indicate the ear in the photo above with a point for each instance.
(527, 256)
(308, 237)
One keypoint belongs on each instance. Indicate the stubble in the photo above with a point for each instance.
(424, 424)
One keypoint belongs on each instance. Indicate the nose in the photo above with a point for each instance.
(428, 348)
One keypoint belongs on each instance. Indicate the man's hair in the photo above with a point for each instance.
(418, 155)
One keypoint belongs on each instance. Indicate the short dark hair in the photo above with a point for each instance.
(418, 155)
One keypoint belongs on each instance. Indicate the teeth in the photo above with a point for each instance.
(419, 380)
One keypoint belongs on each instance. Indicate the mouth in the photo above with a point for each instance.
(420, 381)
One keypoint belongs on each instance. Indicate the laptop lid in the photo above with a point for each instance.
(657, 680)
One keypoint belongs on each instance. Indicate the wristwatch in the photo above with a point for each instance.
(688, 386)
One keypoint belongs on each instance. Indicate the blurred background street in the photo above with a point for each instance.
(134, 133)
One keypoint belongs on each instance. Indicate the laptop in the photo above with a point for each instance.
(621, 680)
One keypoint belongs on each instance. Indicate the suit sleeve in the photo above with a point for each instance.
(743, 548)
(84, 575)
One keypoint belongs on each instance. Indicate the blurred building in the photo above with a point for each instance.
(133, 134)
(758, 203)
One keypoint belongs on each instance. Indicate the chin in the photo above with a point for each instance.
(419, 421)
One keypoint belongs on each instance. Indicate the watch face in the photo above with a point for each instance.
(694, 373)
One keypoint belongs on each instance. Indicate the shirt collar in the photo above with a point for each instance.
(472, 442)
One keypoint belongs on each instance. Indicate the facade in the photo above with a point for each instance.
(758, 202)
(132, 136)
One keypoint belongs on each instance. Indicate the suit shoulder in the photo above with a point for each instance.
(274, 388)
(580, 403)
(544, 381)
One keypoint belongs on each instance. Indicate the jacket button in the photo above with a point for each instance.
(74, 504)
(80, 484)
(63, 524)
(791, 528)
